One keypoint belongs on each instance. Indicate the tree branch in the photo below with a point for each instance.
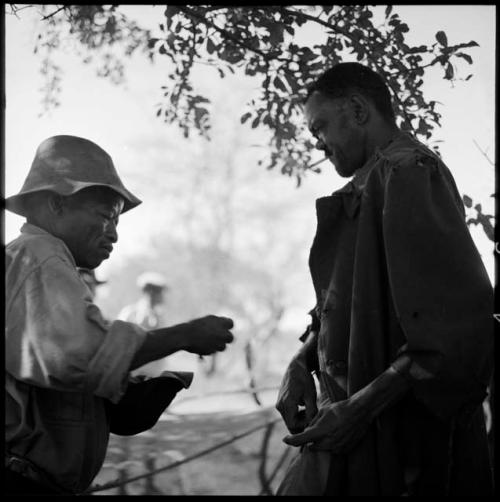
(346, 33)
(14, 10)
(484, 153)
(53, 13)
(222, 31)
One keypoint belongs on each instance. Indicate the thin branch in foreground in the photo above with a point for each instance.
(483, 152)
(48, 16)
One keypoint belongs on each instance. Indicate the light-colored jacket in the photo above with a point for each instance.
(63, 360)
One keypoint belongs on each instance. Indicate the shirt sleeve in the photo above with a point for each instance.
(441, 291)
(56, 337)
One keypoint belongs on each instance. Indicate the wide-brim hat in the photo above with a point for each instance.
(65, 165)
(155, 279)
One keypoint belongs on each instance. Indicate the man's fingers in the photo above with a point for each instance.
(325, 444)
(226, 322)
(229, 337)
(307, 436)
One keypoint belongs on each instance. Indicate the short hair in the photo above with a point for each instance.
(343, 77)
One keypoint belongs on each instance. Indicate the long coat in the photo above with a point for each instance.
(396, 272)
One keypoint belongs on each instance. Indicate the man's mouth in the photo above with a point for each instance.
(108, 248)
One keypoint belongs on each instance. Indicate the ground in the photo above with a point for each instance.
(191, 427)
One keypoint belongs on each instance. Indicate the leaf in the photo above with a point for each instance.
(279, 84)
(464, 56)
(449, 73)
(468, 77)
(467, 201)
(276, 33)
(171, 10)
(441, 38)
(245, 117)
(255, 122)
(152, 42)
(388, 11)
(210, 46)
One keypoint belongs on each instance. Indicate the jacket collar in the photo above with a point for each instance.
(30, 229)
(351, 192)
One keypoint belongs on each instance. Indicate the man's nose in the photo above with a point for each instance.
(111, 231)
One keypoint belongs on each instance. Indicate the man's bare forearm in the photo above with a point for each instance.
(201, 336)
(382, 392)
(160, 343)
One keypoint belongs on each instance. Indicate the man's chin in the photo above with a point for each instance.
(91, 264)
(343, 171)
(340, 169)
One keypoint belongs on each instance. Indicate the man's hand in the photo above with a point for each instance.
(337, 427)
(208, 334)
(297, 390)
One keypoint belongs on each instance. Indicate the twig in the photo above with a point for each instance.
(53, 13)
(263, 459)
(222, 31)
(220, 393)
(115, 484)
(278, 465)
(14, 10)
(484, 153)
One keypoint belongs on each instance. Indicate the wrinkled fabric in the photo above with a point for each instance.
(63, 360)
(144, 402)
(396, 272)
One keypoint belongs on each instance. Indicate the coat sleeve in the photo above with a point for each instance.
(441, 292)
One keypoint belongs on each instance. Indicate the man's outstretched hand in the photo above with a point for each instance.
(209, 334)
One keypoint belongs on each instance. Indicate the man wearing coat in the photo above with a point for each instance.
(401, 338)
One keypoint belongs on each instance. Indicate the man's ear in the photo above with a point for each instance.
(56, 203)
(360, 108)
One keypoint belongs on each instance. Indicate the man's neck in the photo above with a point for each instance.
(381, 134)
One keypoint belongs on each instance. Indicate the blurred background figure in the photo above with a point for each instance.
(90, 280)
(149, 313)
(149, 310)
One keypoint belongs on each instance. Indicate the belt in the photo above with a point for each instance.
(29, 470)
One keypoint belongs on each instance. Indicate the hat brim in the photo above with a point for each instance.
(17, 203)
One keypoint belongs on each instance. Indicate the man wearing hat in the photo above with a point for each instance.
(67, 368)
(148, 310)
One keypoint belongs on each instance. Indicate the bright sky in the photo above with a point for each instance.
(122, 120)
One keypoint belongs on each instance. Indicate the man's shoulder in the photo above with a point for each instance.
(407, 151)
(35, 247)
(30, 251)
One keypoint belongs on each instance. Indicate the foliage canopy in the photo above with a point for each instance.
(262, 42)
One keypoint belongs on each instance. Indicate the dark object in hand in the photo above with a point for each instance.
(144, 401)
